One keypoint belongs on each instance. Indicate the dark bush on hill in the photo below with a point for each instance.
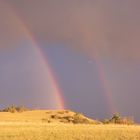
(14, 109)
(77, 118)
(117, 119)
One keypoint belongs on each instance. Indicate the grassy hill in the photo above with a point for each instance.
(46, 116)
(61, 125)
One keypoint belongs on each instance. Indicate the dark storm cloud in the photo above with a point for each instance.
(113, 27)
(10, 33)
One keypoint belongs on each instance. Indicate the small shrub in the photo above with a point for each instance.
(78, 118)
(117, 119)
(68, 118)
(21, 109)
(54, 116)
(46, 120)
(14, 109)
(11, 109)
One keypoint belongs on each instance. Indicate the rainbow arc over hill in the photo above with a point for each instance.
(55, 90)
(57, 94)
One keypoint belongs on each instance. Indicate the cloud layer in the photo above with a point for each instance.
(110, 26)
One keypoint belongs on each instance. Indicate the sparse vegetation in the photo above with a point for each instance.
(14, 109)
(67, 116)
(78, 119)
(117, 119)
(60, 125)
(56, 131)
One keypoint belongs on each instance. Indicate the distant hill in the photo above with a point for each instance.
(47, 116)
(23, 114)
(67, 116)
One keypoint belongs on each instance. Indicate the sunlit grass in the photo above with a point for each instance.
(29, 126)
(41, 131)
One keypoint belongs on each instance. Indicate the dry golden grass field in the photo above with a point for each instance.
(46, 125)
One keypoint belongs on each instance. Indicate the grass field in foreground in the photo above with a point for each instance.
(39, 131)
(29, 126)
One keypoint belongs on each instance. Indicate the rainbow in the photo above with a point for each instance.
(101, 70)
(105, 83)
(57, 94)
(56, 90)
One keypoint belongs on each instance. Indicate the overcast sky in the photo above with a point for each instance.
(93, 47)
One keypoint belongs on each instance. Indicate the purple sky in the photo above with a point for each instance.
(71, 33)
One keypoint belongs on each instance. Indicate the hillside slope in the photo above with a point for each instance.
(47, 116)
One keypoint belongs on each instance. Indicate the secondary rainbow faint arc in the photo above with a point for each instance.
(105, 83)
(100, 66)
(30, 37)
